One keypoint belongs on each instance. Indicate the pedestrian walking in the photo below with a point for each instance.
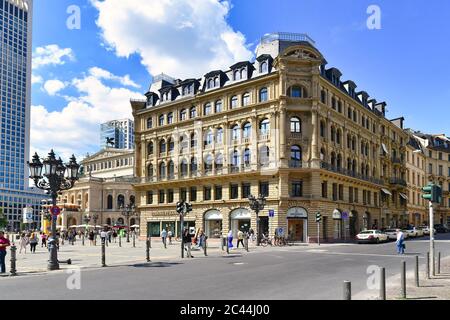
(187, 239)
(170, 235)
(240, 238)
(33, 242)
(43, 240)
(103, 235)
(114, 234)
(23, 242)
(201, 239)
(251, 235)
(91, 237)
(230, 239)
(163, 237)
(4, 243)
(109, 235)
(400, 242)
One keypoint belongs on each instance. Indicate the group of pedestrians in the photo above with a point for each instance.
(31, 239)
(250, 235)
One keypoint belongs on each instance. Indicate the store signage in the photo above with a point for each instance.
(164, 213)
(27, 215)
(296, 213)
(271, 213)
(344, 215)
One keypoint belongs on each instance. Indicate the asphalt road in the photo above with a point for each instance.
(292, 273)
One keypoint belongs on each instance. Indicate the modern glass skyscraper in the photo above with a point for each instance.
(15, 94)
(122, 131)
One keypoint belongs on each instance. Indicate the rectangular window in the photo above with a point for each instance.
(335, 191)
(193, 194)
(441, 171)
(234, 189)
(183, 194)
(245, 190)
(149, 197)
(170, 196)
(364, 197)
(356, 195)
(161, 196)
(375, 199)
(350, 194)
(218, 193)
(264, 189)
(324, 189)
(297, 189)
(369, 197)
(341, 192)
(207, 193)
(430, 168)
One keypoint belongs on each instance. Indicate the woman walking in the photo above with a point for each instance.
(33, 242)
(43, 240)
(23, 242)
(400, 242)
(230, 239)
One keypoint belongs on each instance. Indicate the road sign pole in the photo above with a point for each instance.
(432, 265)
(318, 233)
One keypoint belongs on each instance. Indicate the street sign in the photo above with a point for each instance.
(345, 215)
(280, 231)
(55, 210)
(271, 213)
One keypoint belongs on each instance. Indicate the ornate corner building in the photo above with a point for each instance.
(283, 126)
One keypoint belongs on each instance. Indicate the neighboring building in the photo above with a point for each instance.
(283, 126)
(436, 149)
(15, 93)
(105, 185)
(119, 132)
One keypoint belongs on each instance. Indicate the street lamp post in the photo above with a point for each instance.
(128, 211)
(56, 177)
(257, 205)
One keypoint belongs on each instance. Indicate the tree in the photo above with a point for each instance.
(3, 220)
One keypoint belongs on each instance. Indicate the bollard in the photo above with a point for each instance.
(82, 239)
(403, 279)
(134, 240)
(13, 271)
(246, 243)
(148, 249)
(223, 239)
(228, 247)
(150, 240)
(382, 284)
(439, 263)
(103, 252)
(120, 241)
(428, 265)
(416, 271)
(347, 290)
(204, 248)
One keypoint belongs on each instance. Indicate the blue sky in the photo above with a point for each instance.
(405, 63)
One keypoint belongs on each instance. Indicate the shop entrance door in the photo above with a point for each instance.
(295, 229)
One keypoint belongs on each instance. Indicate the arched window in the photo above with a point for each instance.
(120, 201)
(161, 120)
(322, 129)
(264, 154)
(247, 130)
(150, 171)
(247, 157)
(132, 200)
(193, 112)
(171, 169)
(264, 127)
(150, 148)
(216, 82)
(184, 168)
(353, 143)
(149, 123)
(349, 141)
(208, 163)
(333, 134)
(237, 75)
(218, 106)
(354, 166)
(171, 144)
(263, 95)
(234, 102)
(296, 157)
(194, 165)
(219, 136)
(322, 154)
(183, 115)
(109, 203)
(209, 138)
(349, 164)
(333, 160)
(193, 140)
(235, 132)
(323, 97)
(333, 103)
(246, 99)
(170, 118)
(339, 161)
(338, 136)
(264, 67)
(210, 83)
(219, 161)
(296, 126)
(243, 73)
(235, 161)
(162, 146)
(184, 144)
(162, 170)
(296, 92)
(207, 109)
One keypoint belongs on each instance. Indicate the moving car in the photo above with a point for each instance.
(420, 232)
(391, 233)
(440, 228)
(411, 233)
(371, 236)
(426, 230)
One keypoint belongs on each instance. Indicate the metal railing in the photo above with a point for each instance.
(350, 173)
(398, 181)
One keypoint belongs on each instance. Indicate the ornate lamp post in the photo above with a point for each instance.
(87, 219)
(95, 218)
(257, 205)
(128, 211)
(56, 177)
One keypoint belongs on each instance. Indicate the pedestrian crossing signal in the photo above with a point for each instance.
(318, 217)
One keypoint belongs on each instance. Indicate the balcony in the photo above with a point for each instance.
(246, 140)
(350, 173)
(233, 169)
(396, 160)
(295, 164)
(263, 137)
(397, 181)
(296, 135)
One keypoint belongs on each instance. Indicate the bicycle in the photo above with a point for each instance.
(265, 241)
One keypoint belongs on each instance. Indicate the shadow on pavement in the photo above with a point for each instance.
(156, 264)
(232, 256)
(421, 298)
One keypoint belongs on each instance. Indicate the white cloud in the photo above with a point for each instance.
(104, 74)
(182, 38)
(76, 128)
(52, 87)
(51, 54)
(36, 79)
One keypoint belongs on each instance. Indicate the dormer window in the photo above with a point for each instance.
(188, 90)
(237, 75)
(216, 82)
(264, 67)
(243, 73)
(210, 83)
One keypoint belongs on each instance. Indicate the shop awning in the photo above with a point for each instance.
(404, 196)
(384, 148)
(386, 191)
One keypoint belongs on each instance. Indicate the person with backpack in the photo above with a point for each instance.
(187, 240)
(33, 242)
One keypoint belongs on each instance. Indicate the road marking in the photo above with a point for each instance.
(367, 254)
(238, 263)
(316, 250)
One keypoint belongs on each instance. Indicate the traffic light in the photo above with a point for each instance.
(318, 217)
(437, 194)
(428, 192)
(188, 207)
(180, 207)
(432, 193)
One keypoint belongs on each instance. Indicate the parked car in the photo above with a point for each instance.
(391, 233)
(426, 230)
(420, 232)
(371, 236)
(411, 233)
(440, 228)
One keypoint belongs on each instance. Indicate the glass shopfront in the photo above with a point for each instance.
(297, 224)
(240, 220)
(213, 224)
(338, 225)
